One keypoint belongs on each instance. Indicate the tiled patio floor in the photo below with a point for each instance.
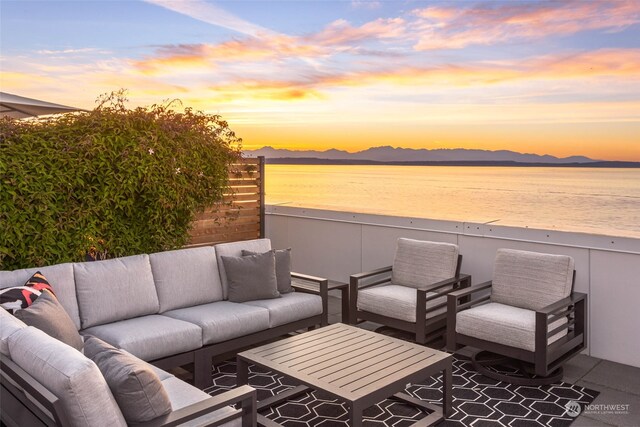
(618, 384)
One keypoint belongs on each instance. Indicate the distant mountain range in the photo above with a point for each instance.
(389, 154)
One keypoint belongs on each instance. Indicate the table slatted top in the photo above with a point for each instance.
(346, 361)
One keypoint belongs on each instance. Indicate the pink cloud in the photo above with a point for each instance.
(455, 28)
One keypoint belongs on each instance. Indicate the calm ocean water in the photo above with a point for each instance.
(591, 200)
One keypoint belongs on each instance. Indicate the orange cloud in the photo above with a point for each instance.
(455, 28)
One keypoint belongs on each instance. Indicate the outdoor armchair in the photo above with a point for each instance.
(411, 294)
(527, 314)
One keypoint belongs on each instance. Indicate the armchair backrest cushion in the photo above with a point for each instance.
(186, 277)
(419, 263)
(68, 374)
(115, 289)
(62, 282)
(8, 325)
(531, 280)
(234, 249)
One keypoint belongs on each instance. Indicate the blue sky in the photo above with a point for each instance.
(548, 77)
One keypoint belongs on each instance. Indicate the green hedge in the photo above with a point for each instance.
(110, 182)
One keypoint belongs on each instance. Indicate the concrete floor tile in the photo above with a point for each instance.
(617, 376)
(629, 416)
(583, 421)
(578, 367)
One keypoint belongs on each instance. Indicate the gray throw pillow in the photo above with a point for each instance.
(48, 315)
(137, 389)
(251, 277)
(283, 268)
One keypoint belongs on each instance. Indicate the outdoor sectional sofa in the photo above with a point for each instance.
(171, 308)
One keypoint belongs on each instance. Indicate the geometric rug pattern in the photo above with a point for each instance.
(477, 401)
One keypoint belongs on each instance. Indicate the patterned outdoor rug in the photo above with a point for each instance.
(478, 401)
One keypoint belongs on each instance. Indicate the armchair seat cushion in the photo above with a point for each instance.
(223, 320)
(290, 307)
(503, 324)
(150, 337)
(395, 301)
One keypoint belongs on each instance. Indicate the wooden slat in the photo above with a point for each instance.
(238, 216)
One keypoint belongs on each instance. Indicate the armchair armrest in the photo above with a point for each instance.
(355, 284)
(466, 278)
(460, 300)
(456, 295)
(244, 395)
(563, 303)
(375, 272)
(320, 287)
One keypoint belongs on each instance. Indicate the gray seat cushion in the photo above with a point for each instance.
(395, 301)
(419, 263)
(68, 374)
(182, 395)
(48, 315)
(150, 337)
(186, 277)
(223, 320)
(235, 249)
(530, 279)
(115, 289)
(504, 324)
(62, 281)
(290, 307)
(8, 325)
(137, 389)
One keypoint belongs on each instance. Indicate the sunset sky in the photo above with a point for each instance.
(560, 78)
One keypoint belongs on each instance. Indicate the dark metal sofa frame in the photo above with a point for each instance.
(547, 360)
(425, 331)
(203, 357)
(19, 391)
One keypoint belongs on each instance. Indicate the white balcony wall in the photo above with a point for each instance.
(337, 244)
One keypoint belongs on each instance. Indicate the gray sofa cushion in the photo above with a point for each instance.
(223, 320)
(150, 337)
(68, 374)
(418, 263)
(137, 389)
(395, 301)
(182, 395)
(115, 289)
(531, 280)
(290, 307)
(235, 249)
(8, 325)
(283, 268)
(251, 277)
(48, 315)
(61, 279)
(504, 324)
(186, 277)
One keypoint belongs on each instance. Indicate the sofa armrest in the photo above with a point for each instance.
(245, 396)
(319, 286)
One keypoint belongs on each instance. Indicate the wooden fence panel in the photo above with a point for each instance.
(240, 216)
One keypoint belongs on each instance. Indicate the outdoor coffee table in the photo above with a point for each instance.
(354, 365)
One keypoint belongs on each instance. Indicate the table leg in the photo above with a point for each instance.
(447, 391)
(345, 304)
(355, 416)
(242, 372)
